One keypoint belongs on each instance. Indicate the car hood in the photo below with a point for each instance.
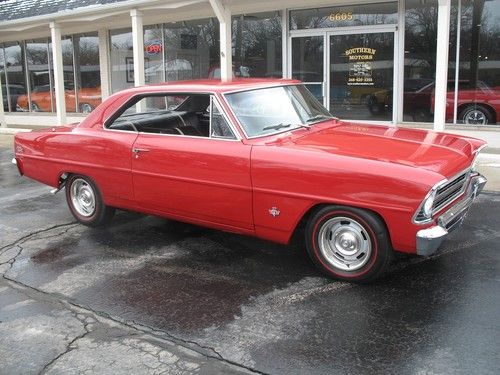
(442, 153)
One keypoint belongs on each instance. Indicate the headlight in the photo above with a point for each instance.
(424, 213)
(428, 204)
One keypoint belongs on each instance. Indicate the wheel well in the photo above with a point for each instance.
(62, 179)
(298, 233)
(461, 108)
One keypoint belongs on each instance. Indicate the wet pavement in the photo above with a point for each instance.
(148, 295)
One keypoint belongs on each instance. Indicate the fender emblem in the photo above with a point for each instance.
(274, 212)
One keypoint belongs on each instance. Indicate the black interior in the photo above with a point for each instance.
(189, 118)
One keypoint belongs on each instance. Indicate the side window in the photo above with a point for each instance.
(175, 114)
(219, 128)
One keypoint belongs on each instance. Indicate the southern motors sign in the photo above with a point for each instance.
(360, 65)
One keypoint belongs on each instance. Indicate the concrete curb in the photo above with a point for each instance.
(14, 130)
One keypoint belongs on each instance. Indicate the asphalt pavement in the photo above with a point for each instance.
(149, 295)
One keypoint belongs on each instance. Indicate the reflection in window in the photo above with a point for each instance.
(219, 127)
(154, 68)
(13, 77)
(479, 70)
(87, 72)
(122, 60)
(181, 50)
(68, 73)
(307, 63)
(40, 78)
(257, 45)
(82, 87)
(191, 49)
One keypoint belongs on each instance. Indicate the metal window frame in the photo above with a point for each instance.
(326, 34)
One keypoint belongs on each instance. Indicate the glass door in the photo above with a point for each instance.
(307, 57)
(361, 75)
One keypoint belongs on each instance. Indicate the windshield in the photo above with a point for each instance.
(276, 109)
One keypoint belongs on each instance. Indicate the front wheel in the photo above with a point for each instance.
(85, 202)
(348, 243)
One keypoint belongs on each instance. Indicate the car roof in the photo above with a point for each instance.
(213, 85)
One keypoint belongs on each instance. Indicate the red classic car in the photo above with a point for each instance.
(261, 157)
(476, 105)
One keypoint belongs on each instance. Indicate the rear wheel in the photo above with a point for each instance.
(85, 202)
(476, 115)
(86, 108)
(348, 243)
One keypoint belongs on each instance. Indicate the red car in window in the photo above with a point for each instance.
(261, 157)
(476, 105)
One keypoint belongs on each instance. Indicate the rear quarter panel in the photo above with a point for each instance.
(103, 156)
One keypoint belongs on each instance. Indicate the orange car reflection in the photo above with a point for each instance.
(88, 99)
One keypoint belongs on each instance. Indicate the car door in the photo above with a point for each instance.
(201, 177)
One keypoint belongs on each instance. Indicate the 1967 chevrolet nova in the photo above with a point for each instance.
(263, 158)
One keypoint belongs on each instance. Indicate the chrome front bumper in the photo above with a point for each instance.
(429, 240)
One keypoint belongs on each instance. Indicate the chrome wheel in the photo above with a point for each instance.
(344, 243)
(35, 107)
(83, 197)
(475, 117)
(86, 108)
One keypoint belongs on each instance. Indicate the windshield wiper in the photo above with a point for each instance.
(277, 126)
(318, 117)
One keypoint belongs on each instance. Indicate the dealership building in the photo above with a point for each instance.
(393, 62)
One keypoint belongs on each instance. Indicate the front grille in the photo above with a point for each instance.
(449, 191)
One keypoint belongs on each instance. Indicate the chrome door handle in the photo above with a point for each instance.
(138, 150)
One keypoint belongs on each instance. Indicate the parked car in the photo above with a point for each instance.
(476, 105)
(88, 99)
(261, 157)
(416, 99)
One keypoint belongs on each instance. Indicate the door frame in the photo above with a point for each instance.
(350, 30)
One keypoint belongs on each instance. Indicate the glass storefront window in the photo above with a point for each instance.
(40, 78)
(154, 68)
(257, 45)
(307, 63)
(87, 72)
(478, 99)
(181, 50)
(14, 82)
(478, 84)
(420, 59)
(68, 73)
(361, 76)
(192, 49)
(122, 59)
(346, 15)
